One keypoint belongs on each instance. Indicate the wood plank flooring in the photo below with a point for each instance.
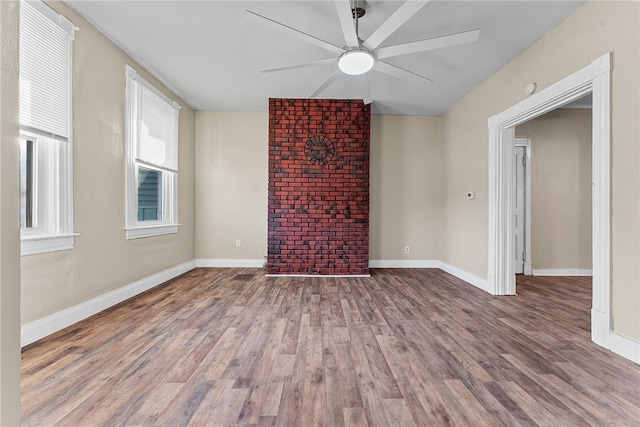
(226, 347)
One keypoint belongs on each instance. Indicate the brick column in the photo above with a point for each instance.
(318, 187)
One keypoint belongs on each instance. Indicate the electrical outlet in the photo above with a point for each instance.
(238, 243)
(407, 249)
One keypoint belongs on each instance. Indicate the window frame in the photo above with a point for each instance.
(168, 224)
(53, 166)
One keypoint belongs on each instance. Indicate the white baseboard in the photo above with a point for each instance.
(625, 347)
(40, 328)
(602, 335)
(429, 263)
(600, 327)
(467, 277)
(528, 270)
(229, 263)
(562, 272)
(403, 263)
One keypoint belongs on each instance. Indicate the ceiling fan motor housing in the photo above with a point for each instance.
(358, 9)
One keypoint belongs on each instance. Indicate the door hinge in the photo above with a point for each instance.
(524, 256)
(524, 160)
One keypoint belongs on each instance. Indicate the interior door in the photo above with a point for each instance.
(520, 165)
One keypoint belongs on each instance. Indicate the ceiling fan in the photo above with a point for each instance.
(359, 56)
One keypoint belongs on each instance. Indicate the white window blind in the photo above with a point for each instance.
(156, 128)
(45, 70)
(152, 160)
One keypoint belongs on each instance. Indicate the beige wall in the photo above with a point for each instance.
(231, 190)
(406, 188)
(232, 178)
(9, 235)
(594, 29)
(560, 188)
(102, 259)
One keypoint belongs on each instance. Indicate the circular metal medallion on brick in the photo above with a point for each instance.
(319, 150)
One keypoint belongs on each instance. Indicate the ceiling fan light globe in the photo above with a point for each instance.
(356, 62)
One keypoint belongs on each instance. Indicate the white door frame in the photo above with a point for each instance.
(595, 78)
(526, 143)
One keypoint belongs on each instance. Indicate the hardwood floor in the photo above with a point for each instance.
(404, 347)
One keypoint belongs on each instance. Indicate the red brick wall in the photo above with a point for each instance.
(318, 191)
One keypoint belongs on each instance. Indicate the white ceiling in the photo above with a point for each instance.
(209, 54)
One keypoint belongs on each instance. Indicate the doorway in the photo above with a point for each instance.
(561, 205)
(522, 209)
(595, 78)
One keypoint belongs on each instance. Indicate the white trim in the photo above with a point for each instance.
(38, 329)
(601, 198)
(600, 330)
(577, 107)
(32, 245)
(150, 231)
(404, 263)
(229, 263)
(595, 78)
(610, 340)
(467, 277)
(562, 272)
(625, 347)
(460, 274)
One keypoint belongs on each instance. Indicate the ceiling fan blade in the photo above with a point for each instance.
(428, 44)
(388, 27)
(325, 84)
(365, 89)
(346, 22)
(301, 65)
(293, 32)
(400, 73)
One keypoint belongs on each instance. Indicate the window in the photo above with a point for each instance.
(46, 200)
(149, 194)
(152, 160)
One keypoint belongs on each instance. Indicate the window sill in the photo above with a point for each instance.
(150, 231)
(40, 244)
